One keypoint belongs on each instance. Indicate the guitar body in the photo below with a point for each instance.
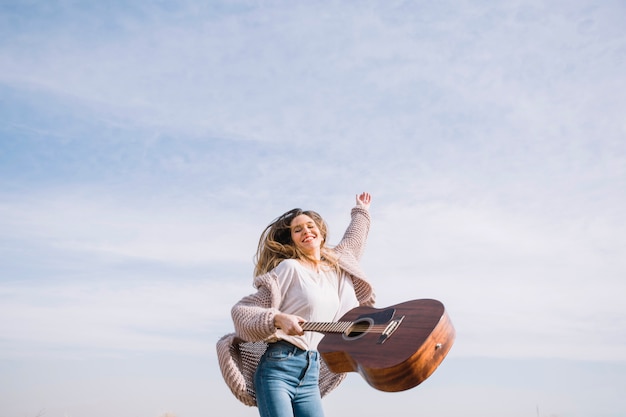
(421, 334)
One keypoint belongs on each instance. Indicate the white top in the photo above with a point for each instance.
(314, 296)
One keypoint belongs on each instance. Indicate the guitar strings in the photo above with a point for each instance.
(341, 327)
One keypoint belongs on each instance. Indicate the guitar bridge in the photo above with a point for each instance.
(391, 327)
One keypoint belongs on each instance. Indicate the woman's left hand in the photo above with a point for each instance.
(364, 200)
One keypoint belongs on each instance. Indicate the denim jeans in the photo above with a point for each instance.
(286, 382)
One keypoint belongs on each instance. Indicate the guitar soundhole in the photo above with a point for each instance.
(358, 329)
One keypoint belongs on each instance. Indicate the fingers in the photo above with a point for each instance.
(298, 325)
(364, 199)
(295, 329)
(289, 324)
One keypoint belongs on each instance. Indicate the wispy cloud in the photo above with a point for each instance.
(505, 276)
(267, 73)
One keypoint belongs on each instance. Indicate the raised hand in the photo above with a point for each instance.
(364, 200)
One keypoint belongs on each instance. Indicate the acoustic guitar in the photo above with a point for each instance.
(394, 348)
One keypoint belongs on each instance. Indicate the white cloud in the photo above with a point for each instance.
(71, 319)
(269, 74)
(514, 285)
(159, 229)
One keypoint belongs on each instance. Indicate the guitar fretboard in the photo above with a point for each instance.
(327, 327)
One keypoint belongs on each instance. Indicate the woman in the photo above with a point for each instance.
(298, 279)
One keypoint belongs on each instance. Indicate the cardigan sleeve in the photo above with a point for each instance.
(349, 251)
(355, 236)
(253, 315)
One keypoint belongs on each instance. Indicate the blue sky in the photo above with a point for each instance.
(144, 147)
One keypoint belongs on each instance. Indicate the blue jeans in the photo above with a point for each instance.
(286, 382)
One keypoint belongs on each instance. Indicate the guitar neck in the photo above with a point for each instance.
(327, 327)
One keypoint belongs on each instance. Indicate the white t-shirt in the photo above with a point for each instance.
(315, 296)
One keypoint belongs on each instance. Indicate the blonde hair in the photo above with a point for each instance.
(276, 244)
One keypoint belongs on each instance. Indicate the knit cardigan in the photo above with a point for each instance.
(253, 316)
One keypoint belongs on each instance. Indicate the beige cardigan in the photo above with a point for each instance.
(253, 316)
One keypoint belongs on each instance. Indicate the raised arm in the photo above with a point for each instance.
(355, 236)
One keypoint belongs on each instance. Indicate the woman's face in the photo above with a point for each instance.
(306, 235)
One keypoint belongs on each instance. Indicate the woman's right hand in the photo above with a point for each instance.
(289, 324)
